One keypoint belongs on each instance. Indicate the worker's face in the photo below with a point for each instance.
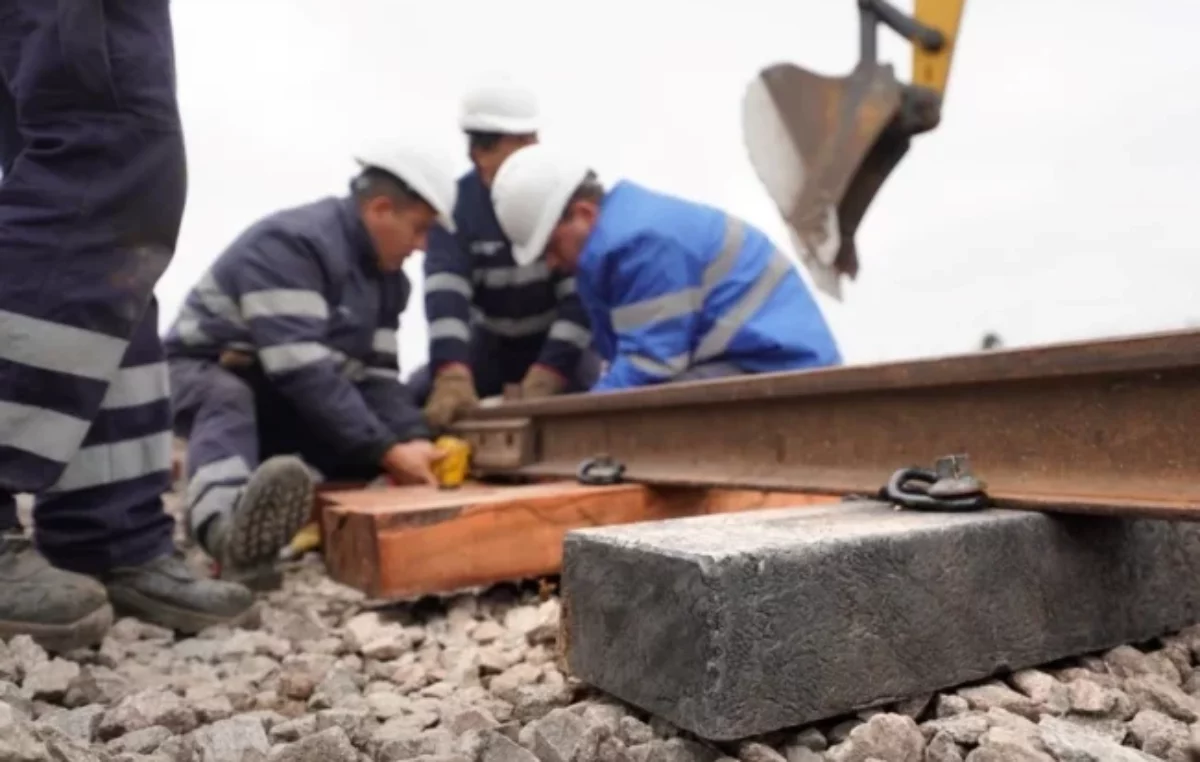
(570, 236)
(397, 229)
(487, 161)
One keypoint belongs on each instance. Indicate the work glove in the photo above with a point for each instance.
(541, 381)
(452, 395)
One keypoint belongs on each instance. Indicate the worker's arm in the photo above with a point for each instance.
(390, 399)
(279, 291)
(652, 297)
(448, 292)
(569, 335)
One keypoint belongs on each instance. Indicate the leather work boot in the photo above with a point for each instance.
(60, 610)
(168, 593)
(272, 508)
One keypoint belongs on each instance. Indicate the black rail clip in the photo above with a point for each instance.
(949, 486)
(601, 470)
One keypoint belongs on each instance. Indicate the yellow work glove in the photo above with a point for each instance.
(453, 394)
(541, 381)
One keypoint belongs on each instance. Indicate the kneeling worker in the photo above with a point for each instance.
(288, 345)
(675, 290)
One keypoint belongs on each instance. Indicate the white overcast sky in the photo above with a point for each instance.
(1050, 205)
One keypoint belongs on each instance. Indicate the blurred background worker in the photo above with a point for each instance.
(676, 290)
(92, 194)
(288, 345)
(492, 320)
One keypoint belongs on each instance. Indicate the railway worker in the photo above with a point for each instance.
(91, 199)
(492, 321)
(676, 290)
(287, 347)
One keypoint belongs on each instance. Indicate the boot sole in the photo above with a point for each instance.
(181, 620)
(276, 503)
(85, 632)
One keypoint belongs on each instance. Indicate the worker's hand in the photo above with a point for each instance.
(412, 461)
(541, 381)
(452, 395)
(493, 401)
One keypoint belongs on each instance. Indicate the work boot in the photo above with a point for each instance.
(60, 610)
(272, 508)
(168, 593)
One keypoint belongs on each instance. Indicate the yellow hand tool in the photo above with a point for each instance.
(451, 471)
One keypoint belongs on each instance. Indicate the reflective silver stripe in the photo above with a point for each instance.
(448, 282)
(630, 317)
(61, 348)
(233, 469)
(46, 433)
(117, 462)
(284, 357)
(722, 265)
(671, 367)
(565, 287)
(140, 385)
(633, 316)
(383, 373)
(516, 275)
(384, 341)
(277, 302)
(216, 501)
(571, 333)
(188, 331)
(449, 328)
(717, 340)
(217, 301)
(517, 327)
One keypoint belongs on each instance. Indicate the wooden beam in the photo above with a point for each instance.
(403, 542)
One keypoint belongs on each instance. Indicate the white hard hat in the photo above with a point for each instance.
(499, 104)
(529, 193)
(430, 174)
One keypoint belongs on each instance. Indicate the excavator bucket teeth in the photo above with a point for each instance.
(823, 146)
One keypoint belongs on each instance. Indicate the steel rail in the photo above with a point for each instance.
(1093, 427)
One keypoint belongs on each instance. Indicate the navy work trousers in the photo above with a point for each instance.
(91, 200)
(233, 420)
(496, 361)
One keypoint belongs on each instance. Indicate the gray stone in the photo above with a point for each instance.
(892, 737)
(942, 748)
(231, 739)
(329, 745)
(49, 680)
(741, 629)
(1071, 743)
(79, 724)
(141, 741)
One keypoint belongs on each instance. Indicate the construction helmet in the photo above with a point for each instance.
(529, 193)
(426, 172)
(499, 105)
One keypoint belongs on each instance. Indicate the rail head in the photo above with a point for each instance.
(1140, 354)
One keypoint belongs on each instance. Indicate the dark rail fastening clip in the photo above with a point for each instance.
(601, 470)
(949, 486)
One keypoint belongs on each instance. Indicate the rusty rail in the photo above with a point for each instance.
(1097, 427)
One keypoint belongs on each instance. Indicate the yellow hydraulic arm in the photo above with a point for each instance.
(931, 67)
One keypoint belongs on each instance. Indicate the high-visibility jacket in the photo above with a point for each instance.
(670, 284)
(472, 283)
(301, 290)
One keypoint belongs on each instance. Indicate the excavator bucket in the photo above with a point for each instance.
(823, 146)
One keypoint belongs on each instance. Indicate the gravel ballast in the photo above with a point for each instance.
(475, 679)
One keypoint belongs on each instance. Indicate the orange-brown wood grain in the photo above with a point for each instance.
(402, 542)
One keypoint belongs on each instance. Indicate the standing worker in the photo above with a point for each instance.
(676, 290)
(288, 345)
(494, 321)
(91, 199)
